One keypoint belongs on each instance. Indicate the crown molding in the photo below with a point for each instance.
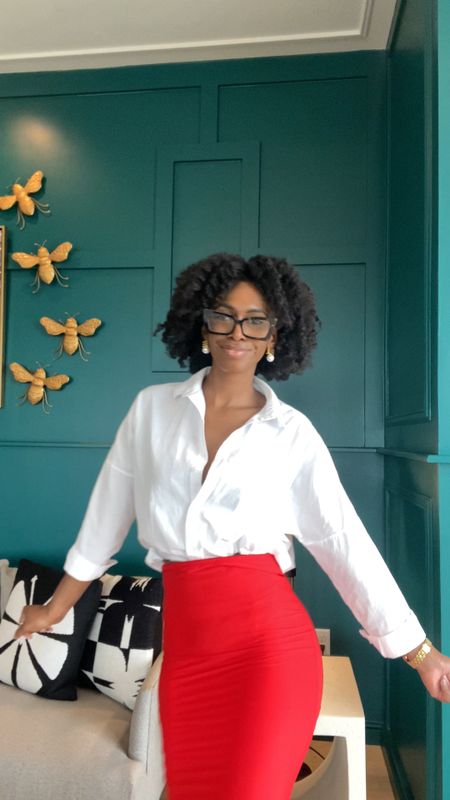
(370, 32)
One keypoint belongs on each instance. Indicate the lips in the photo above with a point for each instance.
(235, 351)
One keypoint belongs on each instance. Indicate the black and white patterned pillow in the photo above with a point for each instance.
(46, 664)
(125, 637)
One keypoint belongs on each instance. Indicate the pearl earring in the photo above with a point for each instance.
(205, 347)
(270, 356)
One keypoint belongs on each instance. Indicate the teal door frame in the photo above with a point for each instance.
(442, 18)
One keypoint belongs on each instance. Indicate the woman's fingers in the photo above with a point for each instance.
(444, 688)
(34, 619)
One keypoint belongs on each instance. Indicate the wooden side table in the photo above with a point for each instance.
(342, 775)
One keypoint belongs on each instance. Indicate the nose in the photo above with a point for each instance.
(237, 332)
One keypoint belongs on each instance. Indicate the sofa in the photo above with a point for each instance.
(92, 749)
(98, 749)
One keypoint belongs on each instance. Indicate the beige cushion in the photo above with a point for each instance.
(55, 750)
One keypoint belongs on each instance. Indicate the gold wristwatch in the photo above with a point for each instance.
(420, 655)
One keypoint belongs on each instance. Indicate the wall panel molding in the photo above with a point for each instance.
(411, 555)
(410, 263)
(189, 219)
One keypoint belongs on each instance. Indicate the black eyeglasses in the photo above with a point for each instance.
(224, 324)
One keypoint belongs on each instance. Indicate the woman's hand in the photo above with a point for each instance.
(35, 619)
(39, 619)
(435, 674)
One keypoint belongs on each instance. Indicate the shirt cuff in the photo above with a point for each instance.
(80, 568)
(400, 641)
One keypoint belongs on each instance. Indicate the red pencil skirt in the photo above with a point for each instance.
(241, 681)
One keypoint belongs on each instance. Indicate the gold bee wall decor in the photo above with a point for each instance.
(21, 195)
(39, 383)
(43, 260)
(71, 332)
(2, 304)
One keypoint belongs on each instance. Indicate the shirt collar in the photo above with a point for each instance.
(192, 388)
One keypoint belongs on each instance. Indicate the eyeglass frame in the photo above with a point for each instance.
(272, 320)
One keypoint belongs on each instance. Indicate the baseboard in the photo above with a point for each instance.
(396, 772)
(374, 733)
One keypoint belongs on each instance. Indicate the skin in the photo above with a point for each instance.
(230, 397)
(231, 400)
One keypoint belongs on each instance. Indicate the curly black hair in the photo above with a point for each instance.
(207, 282)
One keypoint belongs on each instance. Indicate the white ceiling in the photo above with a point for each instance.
(38, 35)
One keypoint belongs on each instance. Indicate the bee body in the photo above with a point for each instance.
(71, 341)
(71, 333)
(25, 203)
(39, 383)
(43, 260)
(35, 393)
(21, 195)
(46, 270)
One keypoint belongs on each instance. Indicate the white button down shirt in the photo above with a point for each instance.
(272, 479)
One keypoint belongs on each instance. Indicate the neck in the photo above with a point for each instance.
(225, 389)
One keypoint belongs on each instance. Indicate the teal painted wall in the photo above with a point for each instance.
(443, 232)
(417, 400)
(147, 169)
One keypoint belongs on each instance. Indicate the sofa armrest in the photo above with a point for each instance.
(145, 743)
(7, 576)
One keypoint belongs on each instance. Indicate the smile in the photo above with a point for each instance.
(235, 352)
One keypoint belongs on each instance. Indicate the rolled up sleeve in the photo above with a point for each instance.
(110, 511)
(332, 532)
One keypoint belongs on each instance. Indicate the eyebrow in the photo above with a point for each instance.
(247, 311)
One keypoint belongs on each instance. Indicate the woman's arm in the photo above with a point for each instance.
(111, 509)
(331, 530)
(36, 619)
(110, 512)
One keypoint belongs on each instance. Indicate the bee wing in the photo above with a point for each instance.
(89, 327)
(61, 252)
(25, 260)
(56, 381)
(51, 326)
(7, 201)
(34, 183)
(20, 373)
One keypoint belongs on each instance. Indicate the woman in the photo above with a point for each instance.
(221, 475)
